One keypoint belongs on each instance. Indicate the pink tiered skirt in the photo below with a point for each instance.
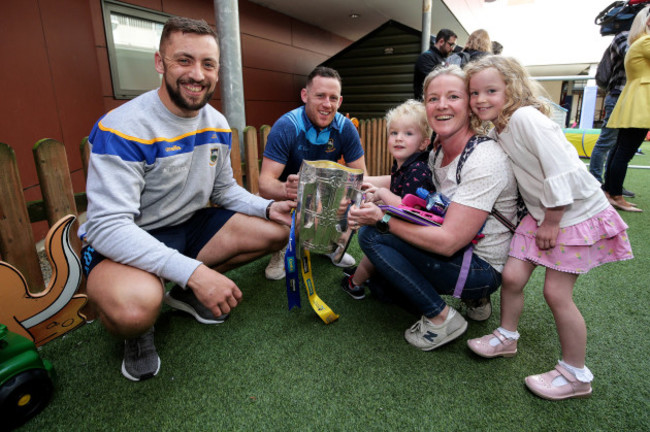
(580, 247)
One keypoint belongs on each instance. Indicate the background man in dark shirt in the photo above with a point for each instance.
(435, 56)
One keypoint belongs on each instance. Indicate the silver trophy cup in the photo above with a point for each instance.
(326, 190)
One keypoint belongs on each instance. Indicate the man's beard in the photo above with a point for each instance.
(179, 101)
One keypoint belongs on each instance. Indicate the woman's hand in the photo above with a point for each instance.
(367, 214)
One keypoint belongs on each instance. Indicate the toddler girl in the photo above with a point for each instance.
(570, 227)
(408, 138)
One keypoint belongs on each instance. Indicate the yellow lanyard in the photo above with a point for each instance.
(319, 306)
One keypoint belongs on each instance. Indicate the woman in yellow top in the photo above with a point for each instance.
(631, 116)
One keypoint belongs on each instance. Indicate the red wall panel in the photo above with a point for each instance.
(269, 85)
(28, 111)
(58, 81)
(312, 38)
(192, 9)
(260, 113)
(254, 20)
(74, 71)
(270, 55)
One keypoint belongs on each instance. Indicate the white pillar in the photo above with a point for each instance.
(589, 101)
(426, 25)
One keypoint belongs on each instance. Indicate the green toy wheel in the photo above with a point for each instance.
(24, 395)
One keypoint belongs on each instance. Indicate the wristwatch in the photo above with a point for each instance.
(382, 225)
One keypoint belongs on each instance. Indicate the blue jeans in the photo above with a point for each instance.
(605, 142)
(422, 276)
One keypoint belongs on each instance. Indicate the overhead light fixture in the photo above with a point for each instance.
(354, 15)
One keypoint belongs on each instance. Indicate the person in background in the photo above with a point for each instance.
(314, 131)
(631, 115)
(478, 44)
(570, 227)
(439, 50)
(616, 50)
(408, 138)
(422, 263)
(157, 161)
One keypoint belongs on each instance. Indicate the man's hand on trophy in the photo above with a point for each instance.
(280, 212)
(291, 187)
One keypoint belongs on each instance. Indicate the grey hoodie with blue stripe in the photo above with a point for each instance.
(149, 169)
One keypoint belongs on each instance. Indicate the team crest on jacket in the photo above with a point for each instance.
(214, 155)
(330, 146)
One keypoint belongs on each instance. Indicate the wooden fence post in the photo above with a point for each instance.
(235, 157)
(16, 237)
(364, 145)
(252, 168)
(386, 159)
(54, 176)
(376, 151)
(265, 130)
(366, 136)
(84, 151)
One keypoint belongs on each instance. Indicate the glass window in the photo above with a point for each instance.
(132, 38)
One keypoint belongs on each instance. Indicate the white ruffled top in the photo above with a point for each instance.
(548, 170)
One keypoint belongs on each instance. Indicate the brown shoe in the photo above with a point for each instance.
(619, 203)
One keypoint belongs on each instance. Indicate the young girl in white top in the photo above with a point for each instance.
(570, 227)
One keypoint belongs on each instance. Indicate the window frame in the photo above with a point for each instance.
(112, 6)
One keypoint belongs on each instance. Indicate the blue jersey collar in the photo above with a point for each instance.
(311, 132)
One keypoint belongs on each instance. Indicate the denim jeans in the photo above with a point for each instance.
(422, 276)
(627, 143)
(605, 142)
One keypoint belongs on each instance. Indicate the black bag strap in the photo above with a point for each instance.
(602, 17)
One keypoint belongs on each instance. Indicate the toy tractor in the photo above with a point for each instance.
(25, 380)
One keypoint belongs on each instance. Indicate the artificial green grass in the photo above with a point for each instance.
(268, 368)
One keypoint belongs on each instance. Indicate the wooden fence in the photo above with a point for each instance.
(17, 245)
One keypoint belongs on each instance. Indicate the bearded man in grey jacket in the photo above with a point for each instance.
(157, 163)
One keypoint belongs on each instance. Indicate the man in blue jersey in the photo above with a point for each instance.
(157, 162)
(314, 131)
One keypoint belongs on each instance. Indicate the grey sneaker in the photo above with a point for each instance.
(141, 360)
(478, 309)
(275, 269)
(185, 300)
(427, 336)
